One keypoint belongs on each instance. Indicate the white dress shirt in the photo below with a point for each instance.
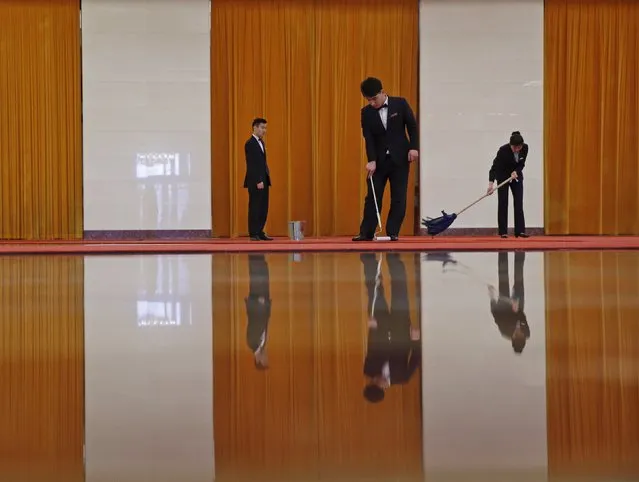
(383, 113)
(259, 141)
(386, 373)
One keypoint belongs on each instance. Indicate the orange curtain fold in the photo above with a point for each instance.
(299, 63)
(305, 416)
(40, 120)
(592, 348)
(591, 121)
(42, 368)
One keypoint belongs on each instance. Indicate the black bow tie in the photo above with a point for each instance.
(385, 106)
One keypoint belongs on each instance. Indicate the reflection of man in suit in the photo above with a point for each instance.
(394, 348)
(508, 308)
(258, 308)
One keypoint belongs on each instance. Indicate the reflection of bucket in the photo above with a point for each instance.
(296, 257)
(296, 230)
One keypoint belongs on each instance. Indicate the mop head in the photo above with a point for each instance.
(382, 238)
(435, 226)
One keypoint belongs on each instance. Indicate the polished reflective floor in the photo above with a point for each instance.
(505, 366)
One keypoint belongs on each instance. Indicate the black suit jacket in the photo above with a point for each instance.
(504, 163)
(393, 139)
(256, 167)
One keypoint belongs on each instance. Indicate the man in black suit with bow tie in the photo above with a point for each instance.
(385, 122)
(257, 181)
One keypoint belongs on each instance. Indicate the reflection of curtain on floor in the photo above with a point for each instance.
(40, 124)
(306, 415)
(592, 349)
(299, 63)
(591, 116)
(42, 368)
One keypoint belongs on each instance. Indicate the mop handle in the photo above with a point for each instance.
(379, 270)
(379, 219)
(485, 195)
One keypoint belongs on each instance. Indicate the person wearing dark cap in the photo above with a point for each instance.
(507, 307)
(389, 152)
(509, 162)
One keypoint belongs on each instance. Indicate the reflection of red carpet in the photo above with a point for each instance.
(243, 245)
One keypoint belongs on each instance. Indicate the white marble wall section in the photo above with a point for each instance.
(149, 368)
(146, 114)
(480, 78)
(484, 406)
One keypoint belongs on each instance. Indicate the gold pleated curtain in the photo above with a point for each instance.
(42, 368)
(591, 117)
(40, 120)
(592, 348)
(299, 63)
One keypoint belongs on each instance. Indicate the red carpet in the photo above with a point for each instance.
(243, 245)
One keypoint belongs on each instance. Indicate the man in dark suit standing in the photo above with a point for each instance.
(509, 162)
(385, 121)
(257, 181)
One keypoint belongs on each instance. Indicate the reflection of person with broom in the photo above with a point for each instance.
(508, 308)
(394, 348)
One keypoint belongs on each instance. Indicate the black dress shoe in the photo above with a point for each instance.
(265, 237)
(255, 238)
(394, 237)
(503, 236)
(522, 235)
(361, 237)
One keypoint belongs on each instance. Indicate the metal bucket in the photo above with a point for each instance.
(296, 230)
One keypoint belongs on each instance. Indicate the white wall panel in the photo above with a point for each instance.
(484, 406)
(481, 73)
(146, 109)
(149, 368)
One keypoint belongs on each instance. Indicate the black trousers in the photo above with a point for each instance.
(517, 292)
(517, 188)
(397, 175)
(257, 210)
